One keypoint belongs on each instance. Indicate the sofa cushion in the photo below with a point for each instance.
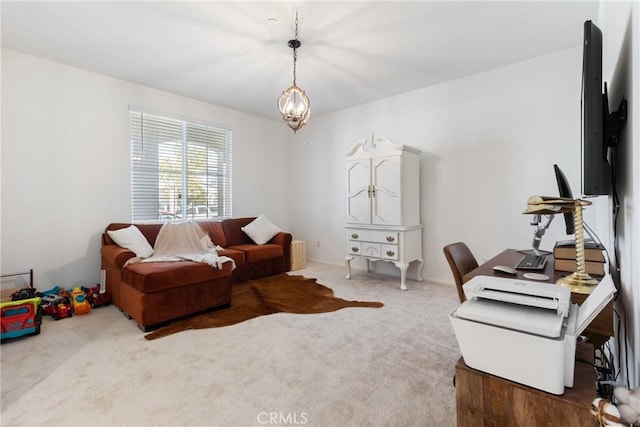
(214, 230)
(132, 238)
(233, 233)
(149, 231)
(156, 276)
(261, 230)
(254, 252)
(236, 255)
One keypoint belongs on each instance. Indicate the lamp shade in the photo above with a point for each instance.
(549, 205)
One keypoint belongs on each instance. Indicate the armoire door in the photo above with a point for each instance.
(387, 192)
(359, 191)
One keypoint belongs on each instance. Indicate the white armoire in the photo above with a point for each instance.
(383, 205)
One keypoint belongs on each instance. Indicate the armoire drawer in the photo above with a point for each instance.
(372, 250)
(377, 236)
(355, 248)
(390, 252)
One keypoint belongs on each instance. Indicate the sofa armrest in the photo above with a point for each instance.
(115, 255)
(113, 259)
(284, 239)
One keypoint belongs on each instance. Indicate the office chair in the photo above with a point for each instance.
(461, 261)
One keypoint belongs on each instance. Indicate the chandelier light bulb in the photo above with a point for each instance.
(294, 104)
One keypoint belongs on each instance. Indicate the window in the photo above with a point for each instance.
(179, 169)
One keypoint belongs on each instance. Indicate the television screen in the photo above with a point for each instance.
(596, 171)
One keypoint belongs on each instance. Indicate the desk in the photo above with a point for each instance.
(598, 331)
(485, 400)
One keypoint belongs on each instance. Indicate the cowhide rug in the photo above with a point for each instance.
(274, 294)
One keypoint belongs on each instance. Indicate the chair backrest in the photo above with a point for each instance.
(461, 261)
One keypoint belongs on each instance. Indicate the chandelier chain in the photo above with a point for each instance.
(294, 104)
(295, 50)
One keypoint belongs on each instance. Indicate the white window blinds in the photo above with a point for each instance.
(179, 169)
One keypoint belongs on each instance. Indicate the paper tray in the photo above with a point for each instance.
(532, 320)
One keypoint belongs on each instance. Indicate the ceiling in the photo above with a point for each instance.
(232, 54)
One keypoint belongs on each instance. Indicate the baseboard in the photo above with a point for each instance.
(360, 269)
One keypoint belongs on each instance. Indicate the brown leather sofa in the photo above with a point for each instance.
(155, 293)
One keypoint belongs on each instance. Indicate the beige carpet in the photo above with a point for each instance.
(390, 366)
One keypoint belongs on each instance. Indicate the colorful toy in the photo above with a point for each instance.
(19, 318)
(79, 301)
(64, 293)
(53, 291)
(97, 298)
(24, 293)
(56, 306)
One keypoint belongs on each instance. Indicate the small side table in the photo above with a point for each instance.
(298, 255)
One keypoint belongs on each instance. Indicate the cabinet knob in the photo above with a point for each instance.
(354, 236)
(354, 249)
(390, 253)
(390, 238)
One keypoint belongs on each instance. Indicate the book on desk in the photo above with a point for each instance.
(566, 249)
(564, 257)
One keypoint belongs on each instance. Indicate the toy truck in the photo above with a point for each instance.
(79, 301)
(56, 306)
(19, 318)
(97, 298)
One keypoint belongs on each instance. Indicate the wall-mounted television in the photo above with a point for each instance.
(596, 171)
(600, 130)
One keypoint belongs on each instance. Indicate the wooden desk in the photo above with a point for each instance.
(598, 331)
(486, 401)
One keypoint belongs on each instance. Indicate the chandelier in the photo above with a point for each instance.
(294, 104)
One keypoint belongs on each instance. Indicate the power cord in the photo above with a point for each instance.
(623, 345)
(606, 376)
(614, 268)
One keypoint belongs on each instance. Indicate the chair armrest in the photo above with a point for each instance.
(116, 255)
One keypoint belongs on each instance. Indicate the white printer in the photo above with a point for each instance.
(525, 331)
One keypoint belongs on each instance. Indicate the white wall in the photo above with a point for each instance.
(65, 164)
(620, 25)
(489, 141)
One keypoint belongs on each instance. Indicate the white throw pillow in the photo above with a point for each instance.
(261, 230)
(132, 238)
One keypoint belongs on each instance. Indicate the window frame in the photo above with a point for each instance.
(179, 165)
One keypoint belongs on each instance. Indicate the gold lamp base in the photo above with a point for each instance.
(580, 283)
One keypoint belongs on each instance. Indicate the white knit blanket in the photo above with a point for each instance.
(180, 241)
